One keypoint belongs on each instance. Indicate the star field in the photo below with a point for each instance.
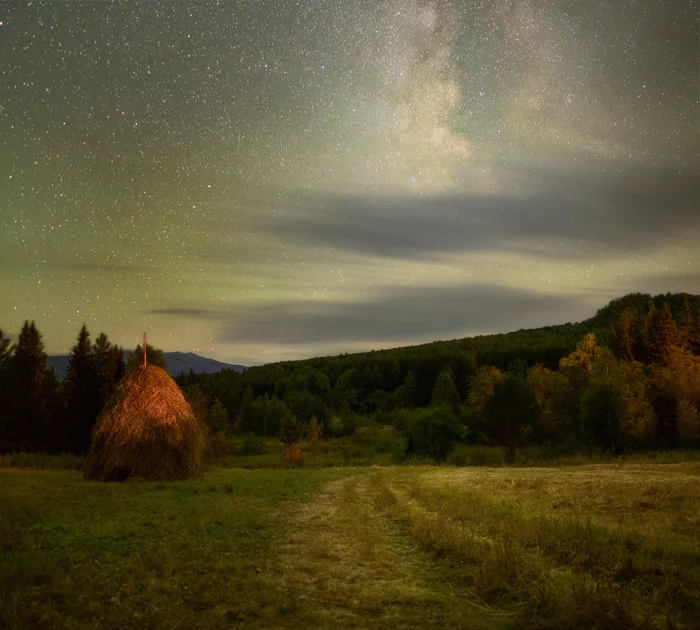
(267, 180)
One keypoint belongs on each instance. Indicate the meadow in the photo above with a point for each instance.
(606, 545)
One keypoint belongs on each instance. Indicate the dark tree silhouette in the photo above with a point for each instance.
(81, 388)
(30, 413)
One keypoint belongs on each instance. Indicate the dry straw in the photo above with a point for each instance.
(146, 430)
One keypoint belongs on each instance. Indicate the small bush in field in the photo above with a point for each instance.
(292, 455)
(433, 432)
(290, 434)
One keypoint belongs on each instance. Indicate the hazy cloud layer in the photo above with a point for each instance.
(599, 213)
(408, 313)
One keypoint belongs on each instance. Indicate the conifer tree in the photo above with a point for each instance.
(626, 336)
(445, 392)
(247, 412)
(5, 398)
(81, 388)
(109, 363)
(407, 392)
(30, 411)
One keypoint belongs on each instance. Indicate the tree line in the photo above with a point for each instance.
(41, 412)
(628, 378)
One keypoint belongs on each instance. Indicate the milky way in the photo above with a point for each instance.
(266, 180)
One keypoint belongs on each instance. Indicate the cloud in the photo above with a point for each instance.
(397, 316)
(189, 313)
(655, 284)
(604, 213)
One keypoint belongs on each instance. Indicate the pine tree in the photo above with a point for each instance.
(81, 388)
(109, 363)
(30, 411)
(407, 392)
(5, 397)
(445, 392)
(247, 412)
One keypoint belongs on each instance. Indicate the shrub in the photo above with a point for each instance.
(433, 432)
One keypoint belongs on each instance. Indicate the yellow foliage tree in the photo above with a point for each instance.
(483, 383)
(679, 379)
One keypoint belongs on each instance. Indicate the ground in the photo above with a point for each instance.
(614, 545)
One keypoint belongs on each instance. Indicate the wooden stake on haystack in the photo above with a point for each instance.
(144, 349)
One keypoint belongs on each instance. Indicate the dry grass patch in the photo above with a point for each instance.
(545, 541)
(344, 564)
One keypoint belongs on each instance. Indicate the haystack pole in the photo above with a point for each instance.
(144, 349)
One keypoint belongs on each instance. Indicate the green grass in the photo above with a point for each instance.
(142, 554)
(589, 546)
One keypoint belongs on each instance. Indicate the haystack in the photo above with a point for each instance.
(148, 430)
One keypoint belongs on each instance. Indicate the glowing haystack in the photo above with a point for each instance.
(148, 430)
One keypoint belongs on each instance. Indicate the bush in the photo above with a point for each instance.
(433, 432)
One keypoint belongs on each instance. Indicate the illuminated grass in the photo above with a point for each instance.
(602, 546)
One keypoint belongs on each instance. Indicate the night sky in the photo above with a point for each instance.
(263, 180)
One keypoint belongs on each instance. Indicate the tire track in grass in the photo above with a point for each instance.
(341, 563)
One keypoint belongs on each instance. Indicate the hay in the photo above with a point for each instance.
(147, 429)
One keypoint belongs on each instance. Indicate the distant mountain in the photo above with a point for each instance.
(177, 362)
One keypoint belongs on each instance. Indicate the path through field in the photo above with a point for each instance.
(588, 546)
(343, 563)
(604, 546)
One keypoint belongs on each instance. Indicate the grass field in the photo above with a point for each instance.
(597, 546)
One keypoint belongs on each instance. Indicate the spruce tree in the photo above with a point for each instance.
(28, 428)
(109, 364)
(5, 397)
(445, 392)
(407, 392)
(81, 393)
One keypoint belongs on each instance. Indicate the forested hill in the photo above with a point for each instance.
(545, 345)
(639, 304)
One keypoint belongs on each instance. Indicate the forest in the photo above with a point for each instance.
(627, 379)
